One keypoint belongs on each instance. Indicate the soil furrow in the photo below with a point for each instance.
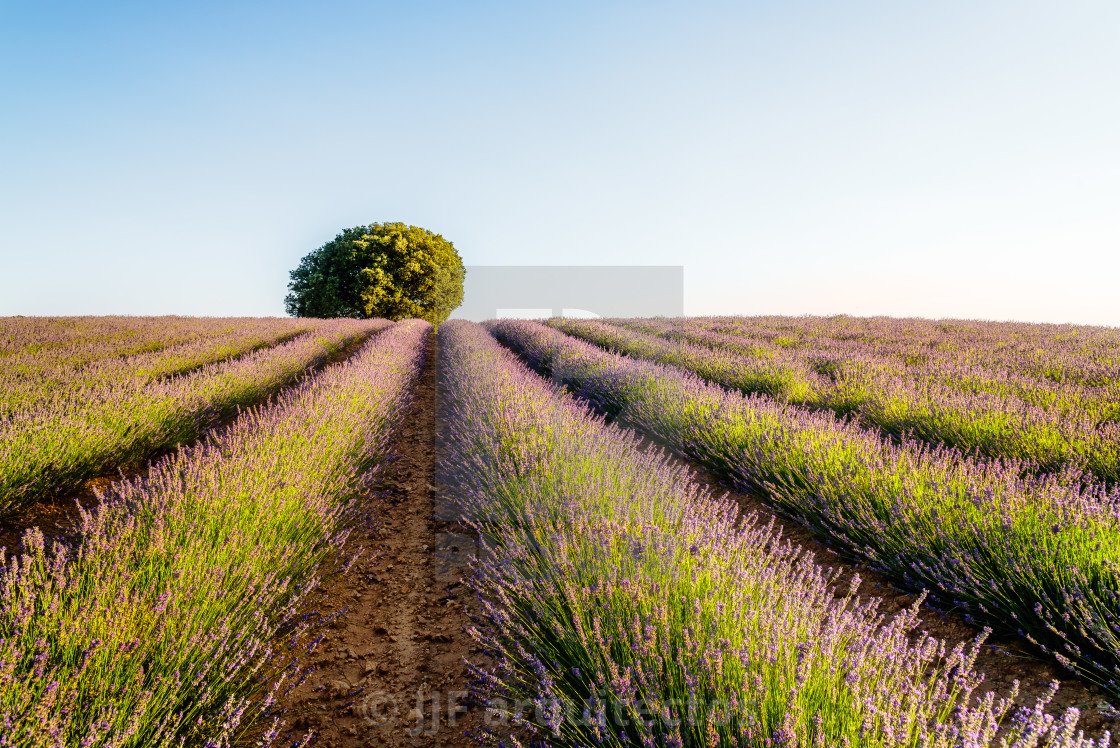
(390, 668)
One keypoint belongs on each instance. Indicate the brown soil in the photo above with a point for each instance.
(1002, 660)
(57, 517)
(390, 668)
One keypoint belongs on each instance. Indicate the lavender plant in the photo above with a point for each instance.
(1059, 369)
(77, 339)
(42, 356)
(974, 364)
(1057, 353)
(624, 605)
(159, 626)
(1036, 557)
(53, 448)
(1049, 432)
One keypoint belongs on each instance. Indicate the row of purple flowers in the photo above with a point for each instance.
(1032, 556)
(1044, 426)
(51, 447)
(624, 605)
(164, 622)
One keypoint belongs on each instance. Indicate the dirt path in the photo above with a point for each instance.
(389, 670)
(1003, 660)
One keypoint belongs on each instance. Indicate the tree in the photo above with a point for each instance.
(381, 270)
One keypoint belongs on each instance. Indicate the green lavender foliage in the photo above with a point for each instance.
(159, 626)
(629, 607)
(49, 448)
(1037, 558)
(1049, 429)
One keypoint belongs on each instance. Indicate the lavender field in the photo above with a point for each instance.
(180, 498)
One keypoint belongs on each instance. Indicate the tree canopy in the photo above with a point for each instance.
(381, 270)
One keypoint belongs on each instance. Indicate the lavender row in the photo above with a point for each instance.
(160, 626)
(972, 369)
(82, 339)
(36, 379)
(1035, 557)
(35, 346)
(1056, 437)
(1079, 354)
(54, 447)
(627, 606)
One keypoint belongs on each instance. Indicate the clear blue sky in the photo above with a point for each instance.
(944, 159)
